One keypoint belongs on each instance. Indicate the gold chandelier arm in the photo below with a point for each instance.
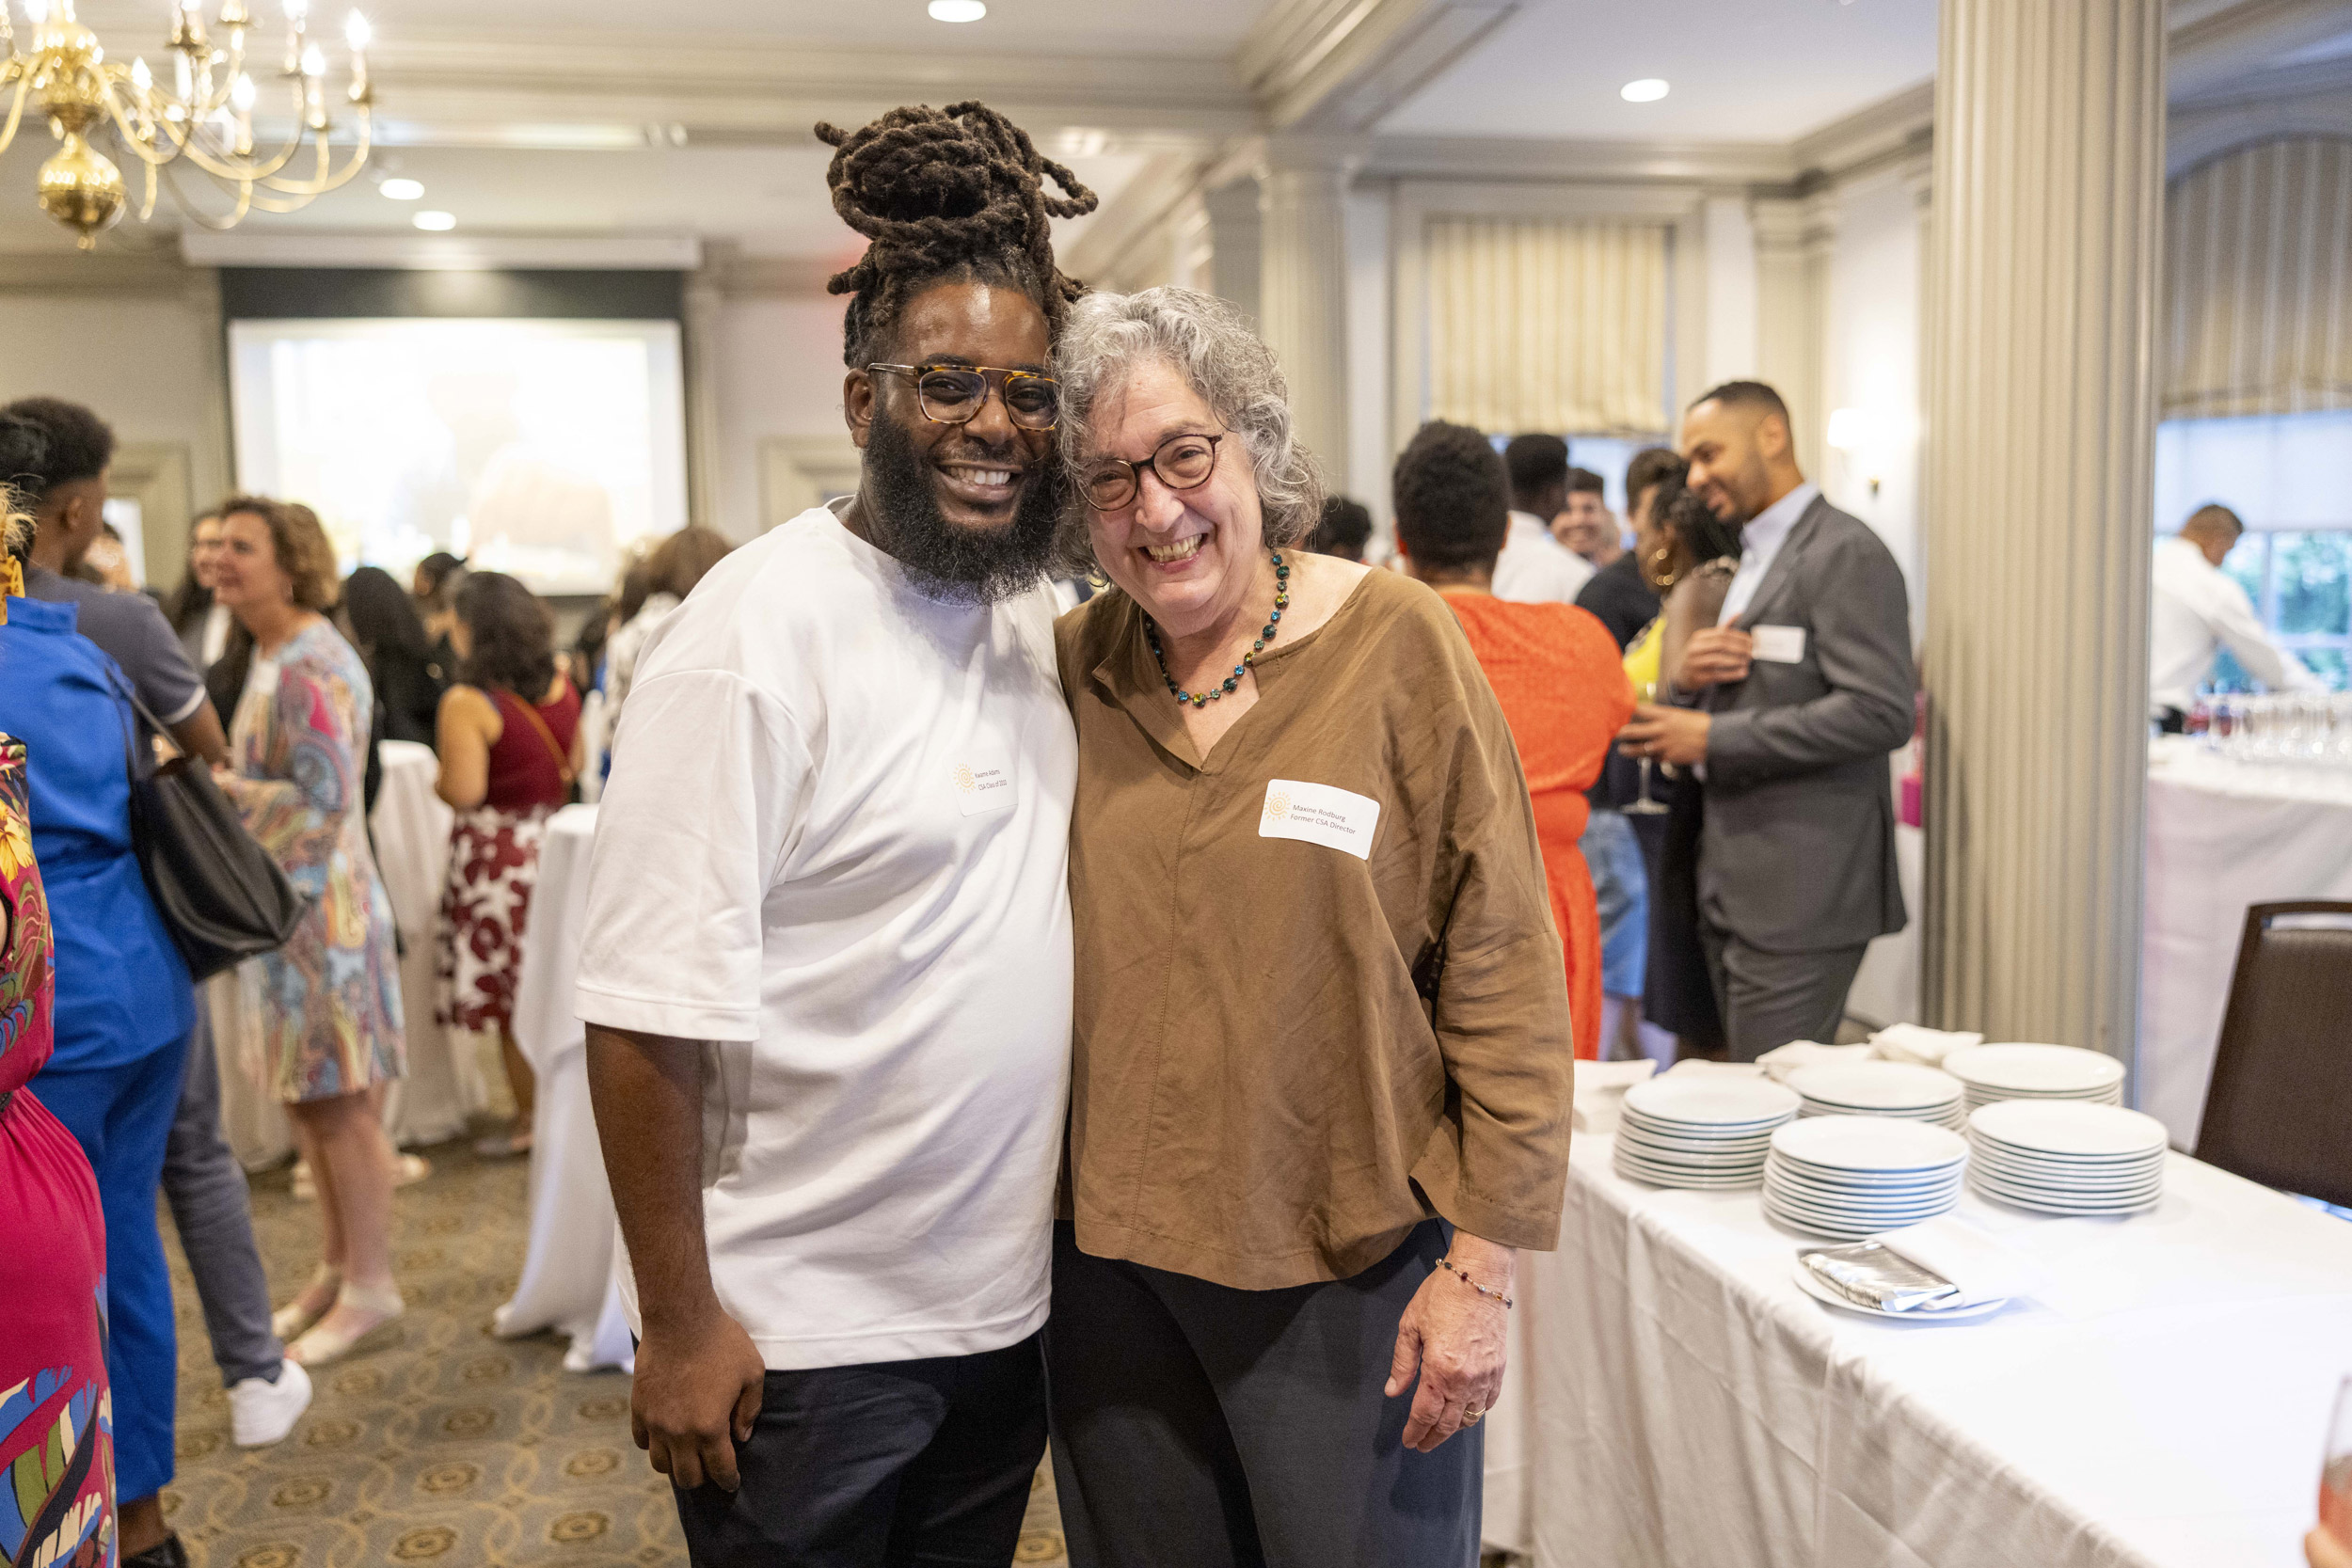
(327, 180)
(236, 171)
(144, 146)
(189, 209)
(16, 105)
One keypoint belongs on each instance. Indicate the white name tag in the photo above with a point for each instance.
(1779, 644)
(983, 782)
(1317, 814)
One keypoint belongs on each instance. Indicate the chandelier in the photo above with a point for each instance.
(204, 120)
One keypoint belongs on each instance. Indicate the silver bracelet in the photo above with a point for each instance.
(1447, 1264)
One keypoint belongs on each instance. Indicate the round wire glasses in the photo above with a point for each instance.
(955, 394)
(1182, 462)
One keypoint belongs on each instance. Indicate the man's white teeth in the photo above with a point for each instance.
(988, 475)
(1183, 549)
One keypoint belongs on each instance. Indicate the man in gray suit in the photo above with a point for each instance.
(1787, 706)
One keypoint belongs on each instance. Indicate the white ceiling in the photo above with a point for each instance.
(1751, 71)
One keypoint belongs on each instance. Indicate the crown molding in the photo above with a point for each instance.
(2198, 134)
(1148, 202)
(102, 272)
(608, 90)
(1517, 158)
(418, 252)
(1892, 127)
(1342, 65)
(2214, 51)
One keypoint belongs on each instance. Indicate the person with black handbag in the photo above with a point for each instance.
(331, 1011)
(220, 896)
(124, 1012)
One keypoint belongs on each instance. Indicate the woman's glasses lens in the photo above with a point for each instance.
(1182, 463)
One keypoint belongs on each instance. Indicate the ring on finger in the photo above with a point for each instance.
(1472, 1416)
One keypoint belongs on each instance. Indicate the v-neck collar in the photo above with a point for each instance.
(1131, 677)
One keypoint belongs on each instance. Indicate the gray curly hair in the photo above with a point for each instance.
(1210, 344)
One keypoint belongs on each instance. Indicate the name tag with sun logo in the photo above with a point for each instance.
(983, 782)
(1318, 814)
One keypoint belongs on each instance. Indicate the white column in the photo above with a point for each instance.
(2048, 192)
(1793, 241)
(1302, 288)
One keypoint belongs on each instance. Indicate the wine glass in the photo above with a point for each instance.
(2335, 1475)
(1648, 692)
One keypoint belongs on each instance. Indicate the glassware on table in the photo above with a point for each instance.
(2335, 1474)
(1648, 692)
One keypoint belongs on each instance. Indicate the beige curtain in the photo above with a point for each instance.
(1547, 325)
(2258, 262)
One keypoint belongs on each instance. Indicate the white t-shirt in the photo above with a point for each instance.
(2196, 609)
(1536, 568)
(834, 845)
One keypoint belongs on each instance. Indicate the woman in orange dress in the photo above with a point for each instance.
(1554, 667)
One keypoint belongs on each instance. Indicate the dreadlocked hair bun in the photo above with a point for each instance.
(940, 193)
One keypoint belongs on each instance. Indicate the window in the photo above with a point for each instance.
(2285, 476)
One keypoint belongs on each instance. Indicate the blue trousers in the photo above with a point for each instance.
(122, 1116)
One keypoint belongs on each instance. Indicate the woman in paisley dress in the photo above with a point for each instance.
(331, 1018)
(57, 1417)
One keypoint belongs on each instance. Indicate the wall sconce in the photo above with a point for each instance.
(1850, 432)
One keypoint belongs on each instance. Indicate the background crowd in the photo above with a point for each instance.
(276, 681)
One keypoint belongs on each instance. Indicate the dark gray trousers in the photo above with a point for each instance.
(1215, 1428)
(213, 1214)
(1768, 999)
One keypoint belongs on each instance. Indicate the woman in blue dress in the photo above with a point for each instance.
(124, 1007)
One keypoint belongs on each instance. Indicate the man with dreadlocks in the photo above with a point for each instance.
(827, 972)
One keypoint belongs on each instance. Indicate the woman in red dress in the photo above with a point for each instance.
(57, 1418)
(508, 735)
(1554, 667)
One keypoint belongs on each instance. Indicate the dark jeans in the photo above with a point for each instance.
(1200, 1426)
(887, 1465)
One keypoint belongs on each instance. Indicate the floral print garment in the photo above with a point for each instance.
(330, 997)
(57, 1414)
(493, 864)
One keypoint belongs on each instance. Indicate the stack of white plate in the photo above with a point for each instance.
(1997, 1072)
(1881, 1089)
(1851, 1177)
(1700, 1130)
(2067, 1158)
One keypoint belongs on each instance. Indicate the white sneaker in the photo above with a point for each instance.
(261, 1411)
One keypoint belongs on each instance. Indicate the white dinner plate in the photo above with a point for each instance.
(2072, 1129)
(2035, 1069)
(2066, 1206)
(1695, 1184)
(1754, 1142)
(1712, 1137)
(1812, 1285)
(1882, 1145)
(1877, 1192)
(1708, 1101)
(1877, 1087)
(1885, 1219)
(1747, 1175)
(2088, 1190)
(1988, 1153)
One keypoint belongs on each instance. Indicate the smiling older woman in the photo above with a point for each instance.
(1323, 1061)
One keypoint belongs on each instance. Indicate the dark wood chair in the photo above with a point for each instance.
(2280, 1110)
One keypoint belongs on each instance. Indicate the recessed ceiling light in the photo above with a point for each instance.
(434, 221)
(402, 190)
(958, 10)
(1649, 89)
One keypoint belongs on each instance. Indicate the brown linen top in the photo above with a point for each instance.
(1286, 1057)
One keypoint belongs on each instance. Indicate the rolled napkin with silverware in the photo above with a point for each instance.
(1939, 1265)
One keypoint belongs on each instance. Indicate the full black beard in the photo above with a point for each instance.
(949, 561)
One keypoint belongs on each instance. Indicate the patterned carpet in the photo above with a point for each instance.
(436, 1443)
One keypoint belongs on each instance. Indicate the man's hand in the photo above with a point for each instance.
(697, 1393)
(1715, 655)
(1456, 1336)
(1675, 734)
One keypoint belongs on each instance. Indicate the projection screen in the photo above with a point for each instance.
(542, 447)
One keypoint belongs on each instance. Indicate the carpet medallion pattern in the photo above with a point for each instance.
(435, 1442)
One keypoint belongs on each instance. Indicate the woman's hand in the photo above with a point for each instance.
(1456, 1336)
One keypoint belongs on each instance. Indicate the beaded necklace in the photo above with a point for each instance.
(1265, 634)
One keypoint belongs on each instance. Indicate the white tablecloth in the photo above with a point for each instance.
(567, 1281)
(412, 829)
(2221, 835)
(1679, 1401)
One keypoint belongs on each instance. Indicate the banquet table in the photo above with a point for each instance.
(568, 1281)
(1673, 1398)
(2223, 834)
(410, 827)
